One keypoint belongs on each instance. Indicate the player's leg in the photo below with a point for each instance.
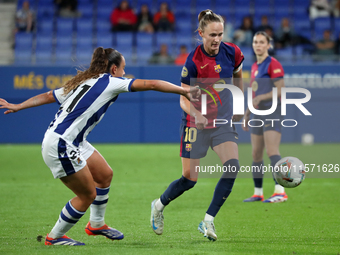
(188, 178)
(224, 142)
(257, 143)
(102, 175)
(272, 139)
(82, 184)
(174, 190)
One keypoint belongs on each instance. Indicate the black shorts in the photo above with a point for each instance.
(267, 122)
(195, 143)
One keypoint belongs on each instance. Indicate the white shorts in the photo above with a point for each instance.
(62, 157)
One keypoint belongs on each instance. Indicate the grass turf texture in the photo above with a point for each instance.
(31, 200)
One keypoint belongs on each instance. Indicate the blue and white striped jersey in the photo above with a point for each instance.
(83, 108)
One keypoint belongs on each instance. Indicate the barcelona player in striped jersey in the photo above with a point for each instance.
(210, 63)
(83, 102)
(266, 73)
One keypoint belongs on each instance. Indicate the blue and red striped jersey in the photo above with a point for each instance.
(205, 70)
(262, 80)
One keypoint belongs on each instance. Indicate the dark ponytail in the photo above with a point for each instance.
(102, 60)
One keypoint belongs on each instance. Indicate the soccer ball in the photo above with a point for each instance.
(289, 172)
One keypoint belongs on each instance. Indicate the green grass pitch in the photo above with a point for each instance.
(308, 223)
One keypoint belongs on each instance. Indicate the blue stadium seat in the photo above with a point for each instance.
(64, 42)
(104, 12)
(83, 55)
(23, 41)
(321, 24)
(144, 39)
(241, 11)
(203, 5)
(187, 40)
(302, 25)
(86, 10)
(43, 56)
(164, 38)
(45, 26)
(105, 41)
(84, 41)
(184, 26)
(337, 24)
(45, 11)
(44, 42)
(84, 26)
(124, 40)
(65, 26)
(22, 56)
(261, 11)
(103, 27)
(143, 55)
(64, 56)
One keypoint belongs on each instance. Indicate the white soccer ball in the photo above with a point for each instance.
(289, 172)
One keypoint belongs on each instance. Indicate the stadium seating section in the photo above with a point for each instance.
(72, 40)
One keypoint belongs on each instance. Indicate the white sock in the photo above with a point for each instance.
(279, 189)
(159, 206)
(98, 207)
(68, 217)
(208, 217)
(258, 191)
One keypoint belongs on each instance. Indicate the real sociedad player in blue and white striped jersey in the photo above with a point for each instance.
(84, 100)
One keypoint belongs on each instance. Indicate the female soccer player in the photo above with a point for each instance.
(211, 62)
(84, 100)
(266, 74)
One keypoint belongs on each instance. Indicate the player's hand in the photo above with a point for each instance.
(200, 121)
(11, 107)
(237, 118)
(192, 93)
(246, 127)
(256, 101)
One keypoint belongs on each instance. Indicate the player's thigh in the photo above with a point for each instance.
(81, 183)
(226, 151)
(272, 141)
(257, 144)
(100, 169)
(189, 168)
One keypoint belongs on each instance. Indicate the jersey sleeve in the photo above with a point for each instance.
(59, 95)
(189, 71)
(121, 84)
(275, 70)
(239, 57)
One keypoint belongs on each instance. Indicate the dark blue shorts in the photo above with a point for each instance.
(269, 122)
(195, 143)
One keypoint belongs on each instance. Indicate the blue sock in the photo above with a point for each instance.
(224, 187)
(175, 189)
(273, 161)
(258, 174)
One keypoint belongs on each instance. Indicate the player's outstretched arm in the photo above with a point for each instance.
(200, 121)
(167, 87)
(41, 99)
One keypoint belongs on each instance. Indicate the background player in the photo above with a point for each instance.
(210, 62)
(84, 100)
(266, 74)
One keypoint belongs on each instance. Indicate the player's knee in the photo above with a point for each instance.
(257, 155)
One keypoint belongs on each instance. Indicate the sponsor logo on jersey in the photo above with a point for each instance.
(204, 66)
(184, 72)
(218, 68)
(277, 70)
(188, 147)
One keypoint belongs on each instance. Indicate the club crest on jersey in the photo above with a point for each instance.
(188, 147)
(254, 86)
(218, 68)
